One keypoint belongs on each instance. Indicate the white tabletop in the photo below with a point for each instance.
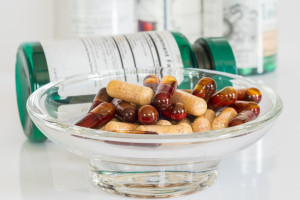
(268, 170)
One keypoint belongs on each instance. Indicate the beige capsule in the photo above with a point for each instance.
(119, 126)
(132, 93)
(163, 122)
(203, 123)
(194, 105)
(223, 118)
(165, 129)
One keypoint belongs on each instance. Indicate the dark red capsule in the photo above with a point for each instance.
(148, 115)
(100, 97)
(249, 94)
(205, 88)
(242, 117)
(223, 98)
(125, 111)
(151, 81)
(240, 106)
(103, 113)
(176, 112)
(163, 96)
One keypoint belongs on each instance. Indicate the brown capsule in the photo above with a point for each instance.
(151, 81)
(240, 106)
(205, 88)
(148, 115)
(126, 112)
(164, 94)
(223, 98)
(242, 117)
(103, 113)
(249, 94)
(100, 97)
(176, 112)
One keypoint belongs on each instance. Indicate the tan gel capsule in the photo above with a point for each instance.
(223, 118)
(129, 92)
(194, 105)
(203, 123)
(163, 122)
(117, 126)
(165, 129)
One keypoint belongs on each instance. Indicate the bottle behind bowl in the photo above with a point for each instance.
(40, 62)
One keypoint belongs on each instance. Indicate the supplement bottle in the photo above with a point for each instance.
(39, 63)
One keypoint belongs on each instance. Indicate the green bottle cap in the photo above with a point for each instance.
(220, 53)
(28, 56)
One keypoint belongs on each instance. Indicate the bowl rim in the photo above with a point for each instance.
(37, 113)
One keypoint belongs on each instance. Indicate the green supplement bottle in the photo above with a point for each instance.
(39, 63)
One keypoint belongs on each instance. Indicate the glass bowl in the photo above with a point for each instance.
(147, 166)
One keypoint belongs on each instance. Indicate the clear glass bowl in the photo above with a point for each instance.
(153, 166)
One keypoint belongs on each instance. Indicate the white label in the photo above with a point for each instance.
(102, 54)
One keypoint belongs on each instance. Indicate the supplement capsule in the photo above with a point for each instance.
(136, 132)
(223, 118)
(151, 81)
(126, 112)
(161, 129)
(100, 97)
(163, 122)
(119, 126)
(131, 93)
(175, 112)
(205, 88)
(242, 117)
(249, 94)
(194, 105)
(223, 98)
(164, 94)
(203, 123)
(103, 113)
(240, 106)
(148, 115)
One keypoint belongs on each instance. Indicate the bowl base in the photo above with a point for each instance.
(162, 183)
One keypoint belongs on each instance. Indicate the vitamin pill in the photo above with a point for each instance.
(163, 122)
(160, 129)
(249, 94)
(223, 118)
(187, 90)
(205, 88)
(175, 112)
(185, 122)
(100, 97)
(103, 113)
(203, 123)
(148, 115)
(194, 105)
(136, 132)
(151, 81)
(126, 112)
(118, 126)
(242, 117)
(240, 106)
(223, 98)
(163, 96)
(129, 92)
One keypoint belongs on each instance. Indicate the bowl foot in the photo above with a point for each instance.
(156, 182)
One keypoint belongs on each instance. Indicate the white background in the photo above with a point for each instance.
(267, 170)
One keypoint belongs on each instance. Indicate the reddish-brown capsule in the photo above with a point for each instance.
(151, 81)
(148, 115)
(176, 112)
(223, 98)
(249, 94)
(205, 88)
(103, 113)
(163, 96)
(126, 112)
(240, 106)
(242, 117)
(101, 97)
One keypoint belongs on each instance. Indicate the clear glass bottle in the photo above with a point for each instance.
(41, 62)
(251, 29)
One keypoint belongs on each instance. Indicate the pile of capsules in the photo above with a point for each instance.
(158, 107)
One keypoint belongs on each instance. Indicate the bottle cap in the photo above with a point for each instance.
(220, 53)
